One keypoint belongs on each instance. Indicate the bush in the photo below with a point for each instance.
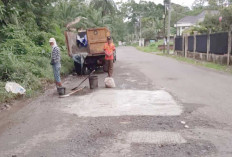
(149, 33)
(12, 32)
(152, 47)
(39, 38)
(26, 60)
(17, 46)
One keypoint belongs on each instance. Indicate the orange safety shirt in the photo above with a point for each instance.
(108, 50)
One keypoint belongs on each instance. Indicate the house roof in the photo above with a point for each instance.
(188, 19)
(196, 19)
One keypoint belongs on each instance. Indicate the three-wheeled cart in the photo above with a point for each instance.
(90, 56)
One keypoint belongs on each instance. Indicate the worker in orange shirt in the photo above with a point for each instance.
(109, 49)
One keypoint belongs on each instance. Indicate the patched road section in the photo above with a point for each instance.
(158, 137)
(110, 102)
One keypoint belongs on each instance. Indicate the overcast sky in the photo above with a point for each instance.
(181, 2)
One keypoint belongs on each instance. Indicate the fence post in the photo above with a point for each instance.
(229, 45)
(194, 44)
(208, 44)
(182, 42)
(186, 45)
(174, 44)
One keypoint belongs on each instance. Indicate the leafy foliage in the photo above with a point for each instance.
(108, 6)
(146, 16)
(25, 28)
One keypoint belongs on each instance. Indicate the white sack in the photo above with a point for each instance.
(14, 88)
(109, 82)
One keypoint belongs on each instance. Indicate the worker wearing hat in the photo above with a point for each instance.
(55, 61)
(109, 49)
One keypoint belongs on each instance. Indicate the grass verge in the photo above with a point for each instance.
(209, 65)
(35, 85)
(153, 47)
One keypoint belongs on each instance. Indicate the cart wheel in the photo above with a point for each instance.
(85, 70)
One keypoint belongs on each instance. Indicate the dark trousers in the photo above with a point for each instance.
(109, 67)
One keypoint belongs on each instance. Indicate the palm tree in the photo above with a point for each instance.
(108, 6)
(93, 18)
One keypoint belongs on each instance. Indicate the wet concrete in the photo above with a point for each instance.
(111, 102)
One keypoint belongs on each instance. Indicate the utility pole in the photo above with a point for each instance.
(135, 31)
(164, 34)
(140, 26)
(169, 20)
(164, 17)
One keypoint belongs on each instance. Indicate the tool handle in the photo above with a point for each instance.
(75, 91)
(84, 80)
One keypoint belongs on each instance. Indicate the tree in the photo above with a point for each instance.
(199, 4)
(94, 18)
(108, 6)
(67, 11)
(149, 13)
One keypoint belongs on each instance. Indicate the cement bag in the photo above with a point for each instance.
(109, 82)
(14, 88)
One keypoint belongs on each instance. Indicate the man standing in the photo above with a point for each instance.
(109, 49)
(55, 61)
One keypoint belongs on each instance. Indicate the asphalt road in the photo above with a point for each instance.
(161, 107)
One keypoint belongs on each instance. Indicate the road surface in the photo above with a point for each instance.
(161, 107)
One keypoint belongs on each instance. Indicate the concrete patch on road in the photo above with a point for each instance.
(124, 74)
(110, 102)
(130, 80)
(122, 145)
(159, 137)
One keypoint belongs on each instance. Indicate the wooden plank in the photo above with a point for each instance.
(229, 46)
(194, 44)
(208, 44)
(182, 43)
(97, 41)
(99, 28)
(174, 44)
(186, 45)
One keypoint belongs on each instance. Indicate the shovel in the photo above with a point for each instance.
(73, 92)
(84, 80)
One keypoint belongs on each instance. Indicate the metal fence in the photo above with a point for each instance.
(201, 43)
(219, 43)
(190, 43)
(178, 43)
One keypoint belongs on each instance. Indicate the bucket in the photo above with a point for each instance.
(61, 90)
(93, 82)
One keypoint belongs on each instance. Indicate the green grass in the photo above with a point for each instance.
(209, 65)
(153, 47)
